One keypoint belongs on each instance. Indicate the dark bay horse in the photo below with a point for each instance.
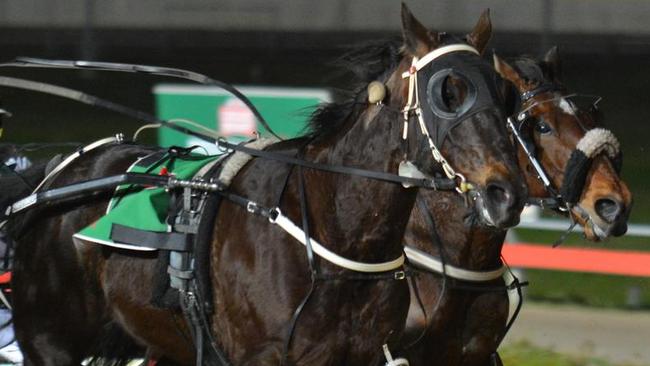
(464, 327)
(67, 293)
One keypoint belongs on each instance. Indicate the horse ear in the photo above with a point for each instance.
(509, 73)
(552, 60)
(418, 40)
(482, 32)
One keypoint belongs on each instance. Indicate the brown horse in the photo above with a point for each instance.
(66, 294)
(463, 327)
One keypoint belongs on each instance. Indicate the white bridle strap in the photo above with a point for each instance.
(418, 64)
(413, 103)
(293, 230)
(428, 262)
(513, 295)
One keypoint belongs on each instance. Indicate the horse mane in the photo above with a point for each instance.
(361, 64)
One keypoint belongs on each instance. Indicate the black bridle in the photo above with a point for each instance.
(557, 199)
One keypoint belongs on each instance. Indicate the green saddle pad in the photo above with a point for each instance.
(143, 208)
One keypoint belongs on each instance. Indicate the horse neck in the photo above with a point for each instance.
(465, 242)
(364, 218)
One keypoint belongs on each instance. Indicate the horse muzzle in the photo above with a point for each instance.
(498, 204)
(608, 217)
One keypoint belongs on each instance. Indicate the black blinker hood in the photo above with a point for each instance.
(480, 79)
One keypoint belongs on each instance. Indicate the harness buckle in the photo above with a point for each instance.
(522, 116)
(274, 213)
(252, 207)
(399, 275)
(463, 186)
(221, 145)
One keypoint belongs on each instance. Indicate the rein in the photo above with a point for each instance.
(132, 68)
(95, 101)
(433, 183)
(274, 214)
(144, 69)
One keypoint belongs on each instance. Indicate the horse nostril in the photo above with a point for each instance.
(498, 194)
(502, 203)
(608, 209)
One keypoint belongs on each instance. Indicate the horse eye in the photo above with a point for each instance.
(542, 127)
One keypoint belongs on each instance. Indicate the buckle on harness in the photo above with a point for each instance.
(274, 213)
(399, 275)
(252, 207)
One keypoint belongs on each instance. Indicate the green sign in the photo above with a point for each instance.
(285, 109)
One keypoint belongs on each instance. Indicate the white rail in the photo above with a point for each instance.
(561, 225)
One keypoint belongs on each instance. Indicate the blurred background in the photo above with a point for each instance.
(604, 46)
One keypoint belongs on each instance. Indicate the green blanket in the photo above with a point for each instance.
(143, 208)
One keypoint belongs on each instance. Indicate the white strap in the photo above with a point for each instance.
(426, 261)
(111, 243)
(393, 362)
(31, 199)
(418, 64)
(293, 230)
(513, 295)
(75, 155)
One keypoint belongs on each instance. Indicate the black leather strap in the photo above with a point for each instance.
(435, 183)
(169, 241)
(546, 202)
(144, 69)
(540, 89)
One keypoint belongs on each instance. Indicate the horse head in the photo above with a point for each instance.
(581, 161)
(454, 95)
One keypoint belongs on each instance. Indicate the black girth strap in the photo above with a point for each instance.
(167, 241)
